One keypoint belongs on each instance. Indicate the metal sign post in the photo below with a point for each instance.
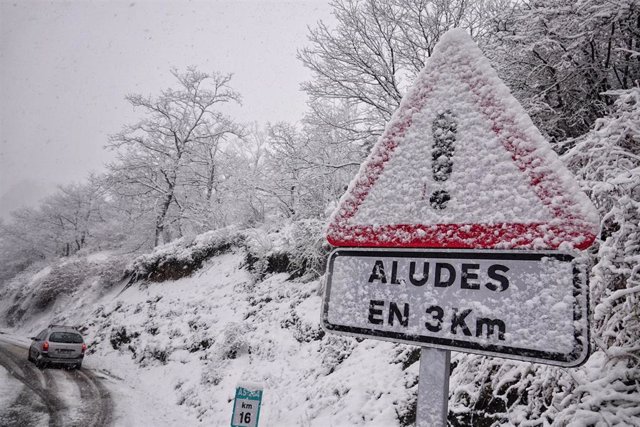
(433, 388)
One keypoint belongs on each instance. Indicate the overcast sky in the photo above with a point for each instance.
(66, 67)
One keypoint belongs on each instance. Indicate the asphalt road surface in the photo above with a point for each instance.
(51, 396)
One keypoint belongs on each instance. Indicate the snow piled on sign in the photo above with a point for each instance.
(485, 185)
(533, 317)
(461, 151)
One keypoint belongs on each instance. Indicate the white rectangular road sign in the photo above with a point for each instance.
(525, 305)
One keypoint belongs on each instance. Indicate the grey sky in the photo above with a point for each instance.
(66, 66)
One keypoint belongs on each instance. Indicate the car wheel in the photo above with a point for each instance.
(40, 363)
(78, 366)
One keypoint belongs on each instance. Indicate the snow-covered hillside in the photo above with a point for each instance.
(174, 323)
(187, 343)
(175, 331)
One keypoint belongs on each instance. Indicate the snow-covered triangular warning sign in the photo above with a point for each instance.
(461, 165)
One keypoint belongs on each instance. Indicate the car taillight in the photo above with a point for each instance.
(45, 346)
(84, 347)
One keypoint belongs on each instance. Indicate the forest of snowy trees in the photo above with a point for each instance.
(185, 167)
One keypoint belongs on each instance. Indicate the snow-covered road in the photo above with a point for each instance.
(54, 397)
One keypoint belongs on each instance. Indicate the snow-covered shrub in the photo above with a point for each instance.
(407, 412)
(606, 390)
(182, 257)
(308, 248)
(264, 253)
(298, 248)
(188, 396)
(158, 353)
(608, 162)
(233, 342)
(212, 373)
(110, 272)
(302, 331)
(407, 356)
(63, 279)
(14, 293)
(119, 337)
(272, 263)
(334, 350)
(201, 343)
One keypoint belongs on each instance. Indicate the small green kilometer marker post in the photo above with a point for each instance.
(246, 406)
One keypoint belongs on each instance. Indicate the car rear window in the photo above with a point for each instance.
(65, 337)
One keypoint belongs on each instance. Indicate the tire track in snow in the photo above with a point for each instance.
(26, 410)
(98, 408)
(94, 407)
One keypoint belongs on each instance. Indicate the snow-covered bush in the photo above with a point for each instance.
(308, 248)
(48, 289)
(606, 390)
(63, 279)
(298, 248)
(110, 271)
(182, 257)
(334, 350)
(302, 331)
(607, 160)
(120, 337)
(234, 342)
(14, 293)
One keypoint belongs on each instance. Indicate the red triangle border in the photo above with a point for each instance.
(566, 227)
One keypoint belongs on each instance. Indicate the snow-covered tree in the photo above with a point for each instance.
(559, 56)
(375, 51)
(174, 147)
(287, 163)
(64, 223)
(307, 168)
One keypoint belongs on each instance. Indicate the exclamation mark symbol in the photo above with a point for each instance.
(444, 135)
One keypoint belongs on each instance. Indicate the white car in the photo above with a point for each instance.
(57, 345)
